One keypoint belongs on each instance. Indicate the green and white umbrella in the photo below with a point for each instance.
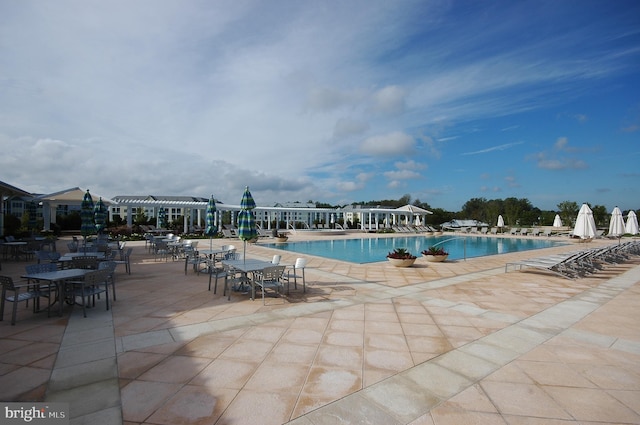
(210, 224)
(100, 216)
(87, 226)
(246, 221)
(162, 218)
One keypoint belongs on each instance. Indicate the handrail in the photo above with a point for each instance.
(464, 245)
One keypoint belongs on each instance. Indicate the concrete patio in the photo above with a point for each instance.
(459, 342)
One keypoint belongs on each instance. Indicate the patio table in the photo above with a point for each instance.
(58, 278)
(249, 266)
(68, 257)
(14, 247)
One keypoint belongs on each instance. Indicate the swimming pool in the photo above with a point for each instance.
(370, 250)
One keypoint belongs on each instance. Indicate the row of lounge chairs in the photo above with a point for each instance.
(531, 232)
(581, 263)
(414, 229)
(232, 232)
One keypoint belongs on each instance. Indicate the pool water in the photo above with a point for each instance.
(370, 250)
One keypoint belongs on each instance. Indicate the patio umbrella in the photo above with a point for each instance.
(246, 221)
(100, 216)
(585, 224)
(557, 222)
(632, 223)
(616, 225)
(87, 226)
(210, 227)
(162, 218)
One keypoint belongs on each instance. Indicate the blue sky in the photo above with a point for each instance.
(331, 101)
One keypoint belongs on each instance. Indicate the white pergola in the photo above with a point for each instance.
(371, 217)
(198, 209)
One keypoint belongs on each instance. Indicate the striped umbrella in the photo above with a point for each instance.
(210, 226)
(100, 216)
(246, 221)
(162, 218)
(87, 226)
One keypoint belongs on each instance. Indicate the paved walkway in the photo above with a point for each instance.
(451, 343)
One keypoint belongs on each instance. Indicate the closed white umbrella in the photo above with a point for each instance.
(557, 222)
(616, 225)
(500, 221)
(632, 224)
(585, 224)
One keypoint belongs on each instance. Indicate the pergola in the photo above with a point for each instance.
(199, 208)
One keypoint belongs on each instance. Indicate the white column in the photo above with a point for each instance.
(129, 216)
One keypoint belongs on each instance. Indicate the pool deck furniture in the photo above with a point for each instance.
(459, 341)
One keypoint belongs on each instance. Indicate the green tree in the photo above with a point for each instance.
(439, 216)
(475, 208)
(516, 211)
(568, 211)
(140, 217)
(493, 209)
(600, 215)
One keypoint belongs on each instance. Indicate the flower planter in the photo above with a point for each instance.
(397, 262)
(282, 240)
(435, 258)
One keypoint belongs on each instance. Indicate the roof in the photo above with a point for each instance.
(455, 223)
(7, 189)
(72, 196)
(161, 198)
(413, 209)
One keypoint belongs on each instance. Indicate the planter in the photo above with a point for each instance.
(435, 258)
(397, 262)
(282, 240)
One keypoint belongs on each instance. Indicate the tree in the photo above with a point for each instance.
(568, 211)
(475, 208)
(600, 215)
(140, 217)
(517, 211)
(439, 216)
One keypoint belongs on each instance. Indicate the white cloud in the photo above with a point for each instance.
(293, 99)
(390, 100)
(391, 144)
(346, 127)
(494, 148)
(402, 175)
(410, 165)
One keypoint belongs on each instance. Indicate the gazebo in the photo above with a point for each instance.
(72, 197)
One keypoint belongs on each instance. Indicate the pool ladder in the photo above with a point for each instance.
(464, 245)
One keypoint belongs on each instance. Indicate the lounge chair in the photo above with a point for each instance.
(557, 264)
(514, 230)
(523, 232)
(579, 264)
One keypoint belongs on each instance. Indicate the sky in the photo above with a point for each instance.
(330, 101)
